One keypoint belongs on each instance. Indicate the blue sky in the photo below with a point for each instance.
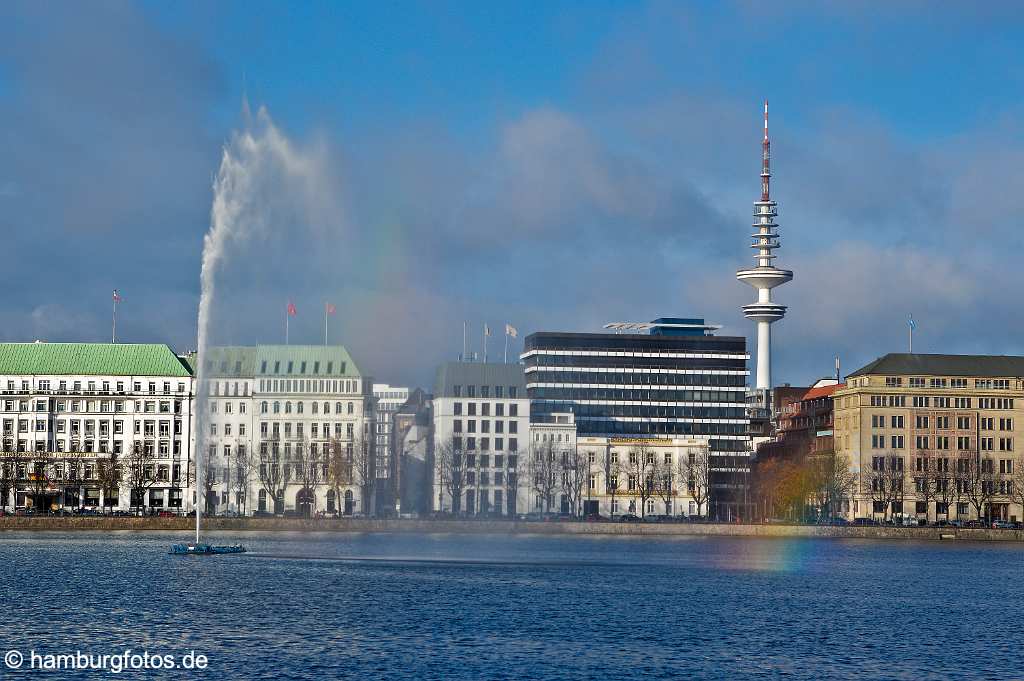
(557, 165)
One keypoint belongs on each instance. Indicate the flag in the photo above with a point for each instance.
(329, 308)
(487, 330)
(117, 296)
(911, 322)
(291, 309)
(511, 331)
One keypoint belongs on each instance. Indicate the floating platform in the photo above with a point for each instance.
(204, 549)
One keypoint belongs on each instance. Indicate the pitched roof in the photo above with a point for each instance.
(898, 363)
(823, 391)
(306, 361)
(91, 359)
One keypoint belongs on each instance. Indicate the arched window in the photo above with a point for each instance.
(331, 501)
(277, 407)
(263, 500)
(263, 407)
(287, 407)
(316, 407)
(351, 407)
(298, 407)
(337, 408)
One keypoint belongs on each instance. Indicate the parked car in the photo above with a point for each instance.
(595, 518)
(1002, 525)
(861, 522)
(262, 514)
(629, 518)
(839, 522)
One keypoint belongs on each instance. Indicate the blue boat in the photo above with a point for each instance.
(204, 549)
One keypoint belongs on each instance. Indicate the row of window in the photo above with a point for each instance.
(484, 444)
(637, 395)
(644, 378)
(934, 382)
(925, 422)
(61, 445)
(485, 426)
(93, 406)
(45, 385)
(485, 409)
(942, 442)
(90, 427)
(485, 391)
(939, 402)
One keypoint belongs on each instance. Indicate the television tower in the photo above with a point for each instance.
(765, 276)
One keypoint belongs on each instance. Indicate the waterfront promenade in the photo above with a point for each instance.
(182, 524)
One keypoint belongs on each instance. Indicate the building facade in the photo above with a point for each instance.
(934, 436)
(287, 429)
(95, 426)
(646, 476)
(412, 454)
(387, 400)
(481, 429)
(673, 380)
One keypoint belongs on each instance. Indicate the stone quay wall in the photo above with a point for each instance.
(184, 524)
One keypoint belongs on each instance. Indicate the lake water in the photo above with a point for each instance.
(312, 606)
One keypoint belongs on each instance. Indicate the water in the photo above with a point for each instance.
(311, 606)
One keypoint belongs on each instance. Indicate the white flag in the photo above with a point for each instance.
(487, 330)
(511, 331)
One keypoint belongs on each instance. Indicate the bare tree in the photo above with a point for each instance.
(981, 484)
(612, 468)
(451, 473)
(310, 471)
(696, 470)
(666, 482)
(338, 476)
(641, 470)
(834, 480)
(209, 481)
(512, 468)
(1015, 484)
(926, 484)
(272, 476)
(544, 473)
(364, 474)
(575, 473)
(39, 475)
(943, 483)
(885, 483)
(109, 476)
(8, 475)
(244, 465)
(139, 473)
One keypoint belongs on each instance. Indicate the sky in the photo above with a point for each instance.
(555, 166)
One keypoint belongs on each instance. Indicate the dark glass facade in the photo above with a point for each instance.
(648, 385)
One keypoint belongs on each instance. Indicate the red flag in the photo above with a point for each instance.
(330, 308)
(291, 309)
(117, 297)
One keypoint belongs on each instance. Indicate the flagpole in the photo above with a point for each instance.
(485, 343)
(505, 359)
(286, 315)
(113, 323)
(325, 324)
(463, 357)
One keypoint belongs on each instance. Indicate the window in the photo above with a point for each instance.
(897, 442)
(897, 421)
(457, 408)
(916, 382)
(893, 381)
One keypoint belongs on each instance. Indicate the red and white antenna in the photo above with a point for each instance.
(766, 163)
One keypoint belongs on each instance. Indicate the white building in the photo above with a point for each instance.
(481, 429)
(389, 399)
(274, 416)
(95, 426)
(646, 476)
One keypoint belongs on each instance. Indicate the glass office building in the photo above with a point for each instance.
(669, 378)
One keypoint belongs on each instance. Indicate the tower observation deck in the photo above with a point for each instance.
(765, 276)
